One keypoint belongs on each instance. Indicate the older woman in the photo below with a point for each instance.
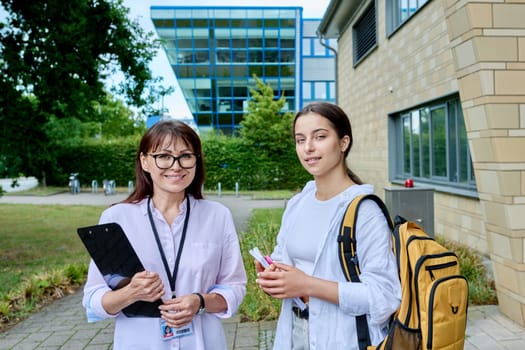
(188, 246)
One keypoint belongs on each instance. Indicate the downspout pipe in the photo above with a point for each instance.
(321, 41)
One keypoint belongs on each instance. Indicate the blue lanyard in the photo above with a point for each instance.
(171, 277)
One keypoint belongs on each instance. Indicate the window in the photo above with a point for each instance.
(319, 50)
(320, 90)
(399, 11)
(307, 47)
(331, 90)
(430, 145)
(364, 34)
(307, 90)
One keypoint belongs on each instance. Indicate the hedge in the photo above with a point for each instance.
(228, 160)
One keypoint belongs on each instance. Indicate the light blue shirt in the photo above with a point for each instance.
(378, 294)
(211, 262)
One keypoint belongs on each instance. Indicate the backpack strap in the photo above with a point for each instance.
(348, 258)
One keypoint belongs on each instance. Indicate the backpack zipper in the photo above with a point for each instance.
(439, 267)
(410, 276)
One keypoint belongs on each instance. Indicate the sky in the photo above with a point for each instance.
(140, 10)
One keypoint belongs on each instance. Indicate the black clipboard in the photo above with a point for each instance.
(116, 259)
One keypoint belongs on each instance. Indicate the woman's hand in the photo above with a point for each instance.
(180, 311)
(146, 286)
(283, 281)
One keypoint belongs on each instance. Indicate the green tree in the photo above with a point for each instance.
(112, 120)
(265, 125)
(117, 120)
(266, 131)
(55, 57)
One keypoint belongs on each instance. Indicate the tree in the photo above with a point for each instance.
(113, 120)
(267, 134)
(116, 120)
(265, 125)
(55, 56)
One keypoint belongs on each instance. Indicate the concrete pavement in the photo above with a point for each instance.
(63, 325)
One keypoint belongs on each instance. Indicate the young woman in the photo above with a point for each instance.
(306, 258)
(188, 246)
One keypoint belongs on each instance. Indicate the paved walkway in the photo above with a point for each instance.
(63, 326)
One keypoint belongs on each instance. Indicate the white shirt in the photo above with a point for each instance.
(306, 234)
(378, 294)
(211, 262)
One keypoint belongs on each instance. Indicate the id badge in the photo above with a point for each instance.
(169, 333)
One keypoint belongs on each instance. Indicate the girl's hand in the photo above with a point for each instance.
(283, 281)
(260, 268)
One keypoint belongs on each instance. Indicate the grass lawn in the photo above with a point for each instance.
(261, 233)
(35, 242)
(37, 238)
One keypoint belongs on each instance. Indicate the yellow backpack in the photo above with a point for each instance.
(434, 302)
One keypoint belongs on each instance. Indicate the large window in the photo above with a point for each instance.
(430, 145)
(398, 11)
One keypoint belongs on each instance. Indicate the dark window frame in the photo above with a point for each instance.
(364, 34)
(429, 144)
(394, 17)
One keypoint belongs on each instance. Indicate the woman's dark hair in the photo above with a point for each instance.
(339, 121)
(171, 130)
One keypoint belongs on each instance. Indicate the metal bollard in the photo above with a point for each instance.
(219, 189)
(94, 186)
(109, 187)
(130, 186)
(236, 189)
(112, 186)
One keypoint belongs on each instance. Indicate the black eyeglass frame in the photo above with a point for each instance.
(174, 159)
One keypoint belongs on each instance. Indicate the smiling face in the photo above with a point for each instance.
(318, 147)
(175, 179)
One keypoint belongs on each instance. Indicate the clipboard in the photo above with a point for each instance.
(110, 249)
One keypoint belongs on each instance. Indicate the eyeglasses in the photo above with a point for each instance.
(165, 161)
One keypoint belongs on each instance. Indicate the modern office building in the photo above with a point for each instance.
(216, 51)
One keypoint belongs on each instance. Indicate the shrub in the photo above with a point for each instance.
(482, 289)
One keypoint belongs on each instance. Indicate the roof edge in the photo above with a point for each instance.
(336, 17)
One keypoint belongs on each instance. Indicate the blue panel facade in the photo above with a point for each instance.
(215, 51)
